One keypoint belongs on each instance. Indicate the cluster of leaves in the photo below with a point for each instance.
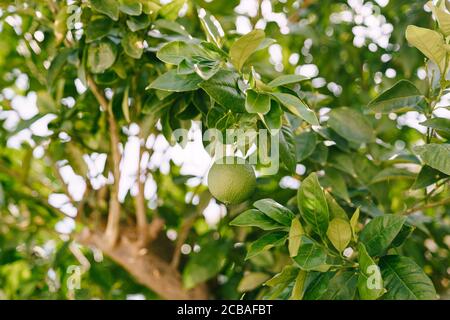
(237, 100)
(322, 267)
(321, 270)
(159, 66)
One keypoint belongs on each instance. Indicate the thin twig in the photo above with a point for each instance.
(139, 203)
(427, 206)
(186, 227)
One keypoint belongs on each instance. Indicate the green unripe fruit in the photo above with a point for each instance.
(231, 183)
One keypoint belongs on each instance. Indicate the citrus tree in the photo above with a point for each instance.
(98, 97)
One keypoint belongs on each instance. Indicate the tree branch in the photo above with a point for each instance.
(427, 206)
(147, 267)
(186, 227)
(112, 227)
(139, 203)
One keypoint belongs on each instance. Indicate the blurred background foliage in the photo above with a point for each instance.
(353, 50)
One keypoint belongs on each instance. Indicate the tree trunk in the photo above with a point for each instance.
(145, 266)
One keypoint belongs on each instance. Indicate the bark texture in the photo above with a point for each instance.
(147, 267)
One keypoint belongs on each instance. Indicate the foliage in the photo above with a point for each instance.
(367, 216)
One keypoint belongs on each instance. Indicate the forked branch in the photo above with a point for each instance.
(147, 267)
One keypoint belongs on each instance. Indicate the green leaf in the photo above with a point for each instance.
(257, 102)
(441, 125)
(354, 223)
(370, 281)
(98, 28)
(223, 88)
(286, 276)
(172, 26)
(125, 107)
(427, 176)
(209, 46)
(185, 67)
(363, 168)
(310, 254)
(170, 10)
(335, 181)
(171, 81)
(436, 156)
(138, 23)
(429, 42)
(265, 43)
(334, 208)
(219, 117)
(58, 63)
(305, 144)
(392, 173)
(206, 263)
(264, 259)
(342, 286)
(351, 125)
(266, 242)
(280, 291)
(405, 280)
(212, 27)
(60, 25)
(150, 8)
(252, 280)
(339, 232)
(201, 101)
(286, 79)
(401, 97)
(298, 289)
(273, 119)
(176, 51)
(295, 234)
(404, 234)
(108, 7)
(132, 45)
(378, 234)
(329, 134)
(316, 288)
(207, 69)
(275, 211)
(287, 149)
(313, 205)
(101, 56)
(130, 7)
(243, 47)
(45, 103)
(255, 218)
(297, 107)
(320, 154)
(442, 17)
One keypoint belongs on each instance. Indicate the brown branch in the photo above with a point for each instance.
(112, 227)
(139, 203)
(53, 7)
(427, 206)
(436, 188)
(147, 267)
(155, 227)
(186, 227)
(182, 236)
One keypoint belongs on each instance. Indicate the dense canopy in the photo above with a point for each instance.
(103, 195)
